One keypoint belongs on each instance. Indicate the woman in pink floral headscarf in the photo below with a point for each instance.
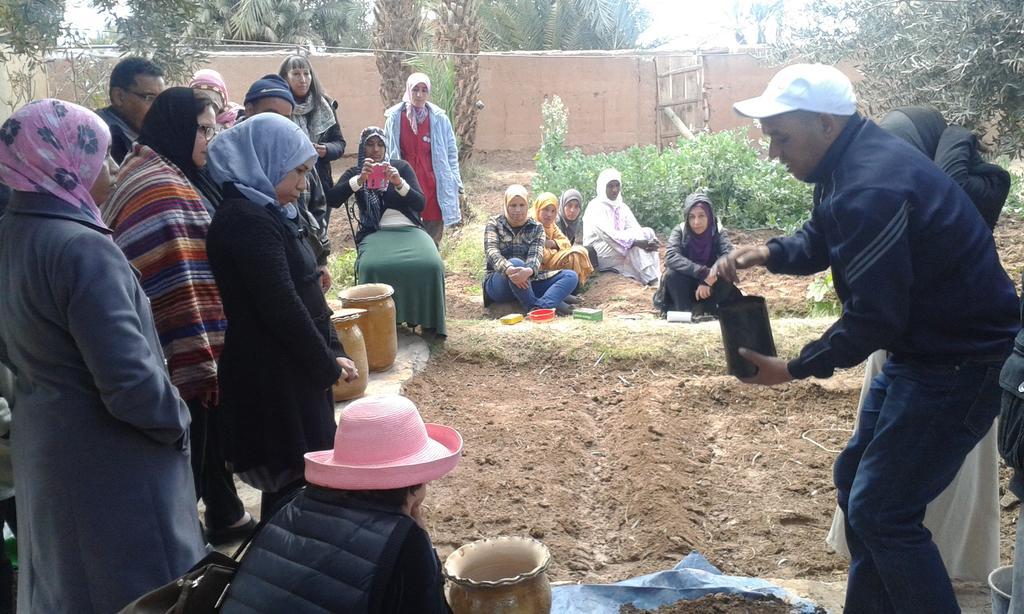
(106, 505)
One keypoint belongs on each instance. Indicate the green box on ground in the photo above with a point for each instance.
(586, 313)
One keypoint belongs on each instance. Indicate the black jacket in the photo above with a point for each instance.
(954, 149)
(278, 362)
(324, 552)
(675, 249)
(912, 261)
(334, 140)
(410, 205)
(122, 136)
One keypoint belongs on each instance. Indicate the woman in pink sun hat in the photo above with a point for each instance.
(355, 540)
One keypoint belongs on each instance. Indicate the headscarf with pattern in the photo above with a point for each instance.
(55, 147)
(374, 198)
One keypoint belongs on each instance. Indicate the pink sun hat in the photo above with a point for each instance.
(382, 443)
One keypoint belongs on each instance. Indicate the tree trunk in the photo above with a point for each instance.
(459, 33)
(396, 29)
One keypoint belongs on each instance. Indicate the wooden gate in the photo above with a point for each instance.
(681, 106)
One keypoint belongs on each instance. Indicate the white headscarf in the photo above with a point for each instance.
(257, 154)
(610, 217)
(416, 115)
(607, 176)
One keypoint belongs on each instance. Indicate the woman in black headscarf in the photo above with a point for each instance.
(160, 214)
(393, 246)
(955, 150)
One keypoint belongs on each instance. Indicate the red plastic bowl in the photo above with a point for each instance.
(542, 315)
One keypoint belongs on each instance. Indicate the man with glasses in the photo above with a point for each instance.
(134, 83)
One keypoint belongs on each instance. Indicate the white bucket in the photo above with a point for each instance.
(1000, 582)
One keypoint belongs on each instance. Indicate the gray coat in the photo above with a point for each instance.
(106, 505)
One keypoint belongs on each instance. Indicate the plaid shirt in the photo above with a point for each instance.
(502, 242)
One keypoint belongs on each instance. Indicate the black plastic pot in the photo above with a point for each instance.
(745, 324)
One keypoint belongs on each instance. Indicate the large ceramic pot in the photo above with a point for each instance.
(380, 332)
(506, 575)
(345, 322)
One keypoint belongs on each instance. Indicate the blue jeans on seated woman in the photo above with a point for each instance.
(540, 294)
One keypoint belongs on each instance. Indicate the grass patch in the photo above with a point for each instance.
(647, 342)
(462, 249)
(343, 269)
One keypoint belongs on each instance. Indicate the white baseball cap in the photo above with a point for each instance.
(818, 88)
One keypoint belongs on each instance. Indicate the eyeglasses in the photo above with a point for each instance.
(146, 98)
(208, 131)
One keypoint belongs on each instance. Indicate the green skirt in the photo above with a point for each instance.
(406, 259)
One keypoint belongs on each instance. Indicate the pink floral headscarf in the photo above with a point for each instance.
(54, 147)
(416, 114)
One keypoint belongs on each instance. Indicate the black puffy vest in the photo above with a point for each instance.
(317, 556)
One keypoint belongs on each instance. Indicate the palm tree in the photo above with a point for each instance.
(458, 31)
(397, 28)
(562, 24)
(329, 22)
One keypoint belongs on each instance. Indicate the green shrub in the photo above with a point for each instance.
(343, 270)
(821, 296)
(1015, 201)
(748, 191)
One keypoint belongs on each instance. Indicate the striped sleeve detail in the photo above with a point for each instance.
(888, 237)
(160, 223)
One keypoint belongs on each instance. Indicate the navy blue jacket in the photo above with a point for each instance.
(324, 552)
(912, 261)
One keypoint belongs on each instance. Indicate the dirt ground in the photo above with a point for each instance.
(718, 604)
(623, 468)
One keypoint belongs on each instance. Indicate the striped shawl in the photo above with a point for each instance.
(160, 223)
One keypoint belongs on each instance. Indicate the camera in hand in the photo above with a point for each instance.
(378, 179)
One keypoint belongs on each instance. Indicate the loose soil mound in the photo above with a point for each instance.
(623, 472)
(718, 604)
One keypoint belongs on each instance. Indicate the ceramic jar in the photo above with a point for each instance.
(505, 575)
(380, 331)
(345, 322)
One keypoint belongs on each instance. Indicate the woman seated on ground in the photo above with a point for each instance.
(622, 245)
(393, 248)
(559, 252)
(514, 245)
(570, 206)
(355, 539)
(689, 283)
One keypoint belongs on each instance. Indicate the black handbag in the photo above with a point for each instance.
(203, 588)
(200, 591)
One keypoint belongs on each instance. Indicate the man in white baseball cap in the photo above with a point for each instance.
(917, 272)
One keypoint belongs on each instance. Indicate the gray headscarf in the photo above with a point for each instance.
(256, 154)
(573, 228)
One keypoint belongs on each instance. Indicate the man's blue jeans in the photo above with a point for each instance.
(918, 423)
(540, 294)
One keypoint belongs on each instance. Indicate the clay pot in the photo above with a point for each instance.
(380, 332)
(506, 575)
(345, 322)
(745, 324)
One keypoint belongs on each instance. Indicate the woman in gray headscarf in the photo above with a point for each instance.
(570, 221)
(281, 354)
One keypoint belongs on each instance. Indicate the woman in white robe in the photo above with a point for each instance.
(613, 231)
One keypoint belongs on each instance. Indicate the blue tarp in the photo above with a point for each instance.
(692, 578)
